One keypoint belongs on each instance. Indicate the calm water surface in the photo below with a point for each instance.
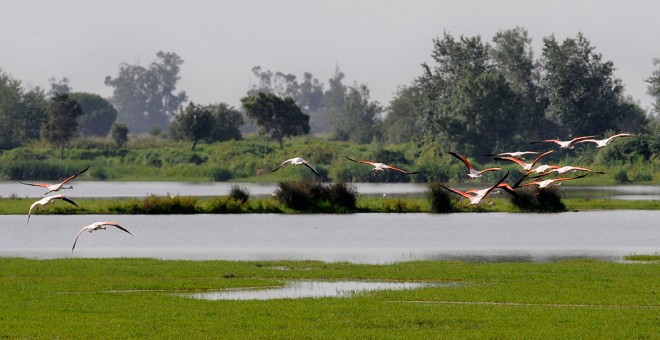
(359, 238)
(98, 189)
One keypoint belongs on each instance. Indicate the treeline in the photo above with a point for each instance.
(475, 97)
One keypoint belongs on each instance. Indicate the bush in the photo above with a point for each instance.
(239, 193)
(531, 199)
(314, 197)
(439, 198)
(621, 176)
(219, 174)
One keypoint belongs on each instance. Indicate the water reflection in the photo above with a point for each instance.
(310, 289)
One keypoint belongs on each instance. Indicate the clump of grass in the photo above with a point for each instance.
(534, 200)
(239, 193)
(225, 205)
(439, 198)
(655, 257)
(315, 197)
(153, 204)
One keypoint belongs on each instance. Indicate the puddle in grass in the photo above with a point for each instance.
(311, 289)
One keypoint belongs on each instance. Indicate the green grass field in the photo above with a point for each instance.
(131, 298)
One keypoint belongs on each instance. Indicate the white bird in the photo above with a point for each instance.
(545, 183)
(98, 226)
(525, 166)
(517, 154)
(568, 144)
(298, 161)
(601, 143)
(472, 172)
(564, 169)
(475, 196)
(382, 166)
(47, 200)
(57, 186)
(542, 169)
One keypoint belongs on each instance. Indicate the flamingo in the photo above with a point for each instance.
(98, 226)
(567, 168)
(516, 154)
(473, 173)
(58, 186)
(525, 166)
(601, 143)
(475, 196)
(568, 144)
(545, 183)
(298, 161)
(382, 166)
(543, 169)
(47, 200)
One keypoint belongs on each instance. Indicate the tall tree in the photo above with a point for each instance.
(357, 122)
(583, 95)
(276, 117)
(145, 97)
(21, 113)
(307, 95)
(226, 122)
(193, 123)
(331, 103)
(62, 121)
(400, 124)
(654, 86)
(513, 58)
(98, 114)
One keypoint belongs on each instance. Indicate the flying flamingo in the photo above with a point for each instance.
(58, 186)
(545, 183)
(98, 226)
(475, 196)
(47, 200)
(542, 169)
(525, 166)
(567, 168)
(516, 154)
(382, 166)
(601, 143)
(298, 161)
(568, 144)
(473, 173)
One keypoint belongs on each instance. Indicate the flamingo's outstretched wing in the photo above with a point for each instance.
(512, 159)
(287, 161)
(359, 161)
(44, 185)
(462, 158)
(306, 163)
(76, 175)
(78, 235)
(489, 169)
(401, 170)
(464, 194)
(541, 156)
(66, 199)
(116, 225)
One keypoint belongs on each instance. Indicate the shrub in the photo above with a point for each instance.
(439, 198)
(621, 176)
(225, 205)
(219, 174)
(314, 197)
(531, 199)
(239, 193)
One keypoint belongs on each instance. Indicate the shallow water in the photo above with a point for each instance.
(358, 238)
(88, 189)
(308, 289)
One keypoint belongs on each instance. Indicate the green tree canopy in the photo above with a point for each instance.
(98, 114)
(276, 117)
(62, 124)
(193, 123)
(358, 121)
(145, 97)
(226, 122)
(21, 113)
(119, 134)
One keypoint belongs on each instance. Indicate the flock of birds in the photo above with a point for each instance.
(529, 170)
(475, 196)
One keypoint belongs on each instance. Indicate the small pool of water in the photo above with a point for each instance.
(310, 289)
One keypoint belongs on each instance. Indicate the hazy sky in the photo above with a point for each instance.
(376, 42)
